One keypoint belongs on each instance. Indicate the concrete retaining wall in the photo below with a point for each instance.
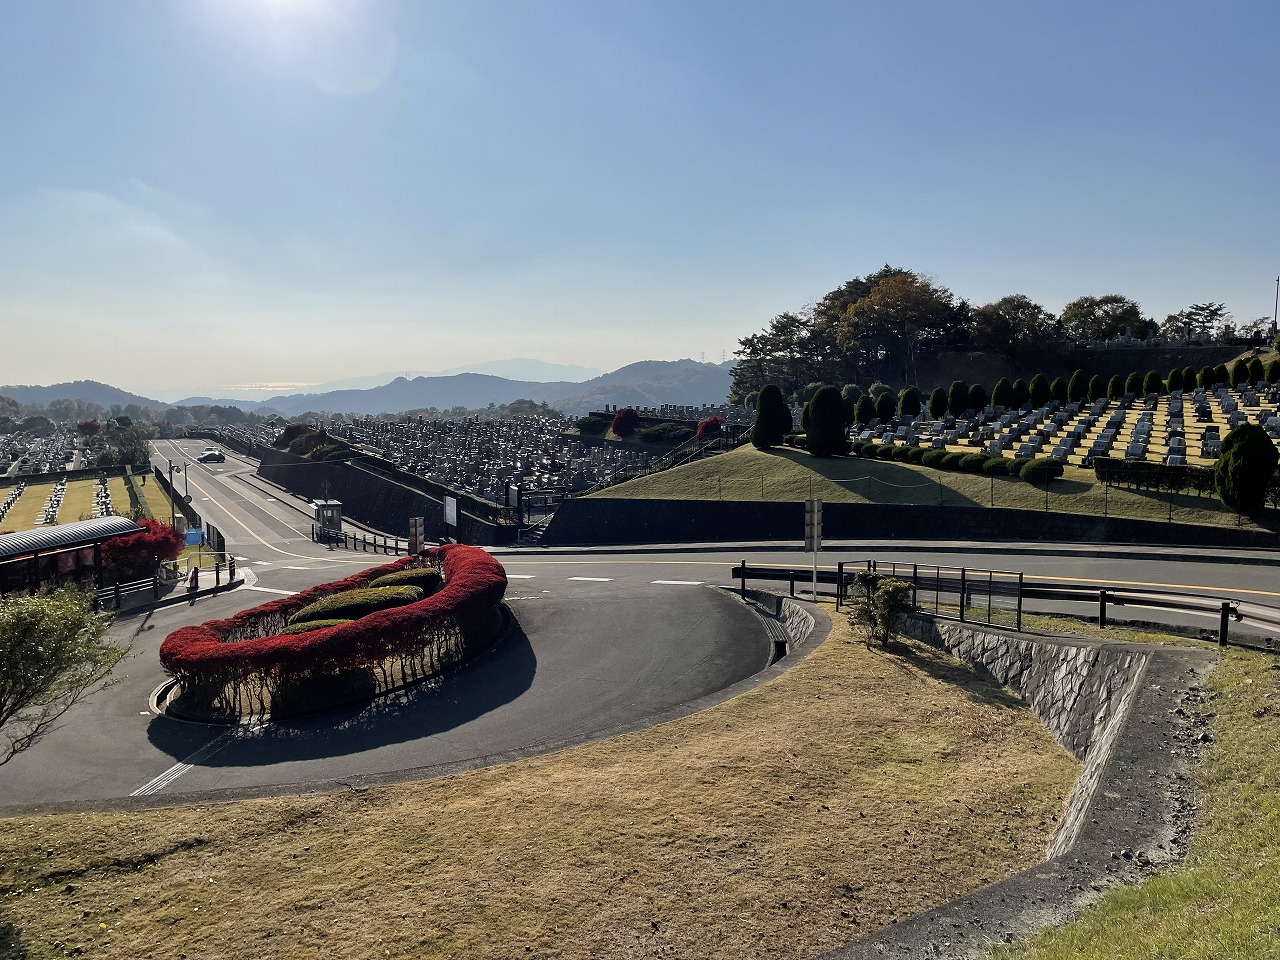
(605, 520)
(1116, 707)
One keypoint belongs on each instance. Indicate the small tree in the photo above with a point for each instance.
(1174, 380)
(937, 403)
(1021, 393)
(1244, 469)
(1058, 390)
(886, 407)
(1040, 392)
(958, 398)
(826, 436)
(1115, 387)
(1152, 383)
(1273, 372)
(881, 603)
(864, 411)
(1206, 378)
(1097, 388)
(625, 422)
(1239, 373)
(709, 428)
(851, 392)
(53, 653)
(773, 418)
(1220, 374)
(977, 397)
(1256, 370)
(1188, 378)
(1002, 393)
(1133, 383)
(1077, 387)
(909, 402)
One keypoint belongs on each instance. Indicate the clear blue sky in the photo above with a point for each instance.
(217, 192)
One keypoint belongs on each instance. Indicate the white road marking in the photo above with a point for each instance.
(263, 563)
(680, 583)
(178, 769)
(283, 593)
(594, 579)
(521, 576)
(304, 568)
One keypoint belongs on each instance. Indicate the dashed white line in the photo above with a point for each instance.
(521, 576)
(594, 579)
(680, 583)
(283, 593)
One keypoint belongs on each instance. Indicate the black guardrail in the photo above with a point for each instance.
(969, 590)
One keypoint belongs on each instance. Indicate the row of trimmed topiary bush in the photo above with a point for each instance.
(239, 665)
(1039, 470)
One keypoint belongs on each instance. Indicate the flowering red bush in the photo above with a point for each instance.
(230, 651)
(135, 556)
(625, 422)
(710, 428)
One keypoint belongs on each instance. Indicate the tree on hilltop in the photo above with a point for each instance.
(1102, 318)
(773, 418)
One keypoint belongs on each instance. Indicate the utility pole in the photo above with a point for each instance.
(173, 507)
(1275, 314)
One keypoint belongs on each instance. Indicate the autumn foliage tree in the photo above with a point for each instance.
(625, 422)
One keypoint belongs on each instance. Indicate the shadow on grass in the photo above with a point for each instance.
(11, 946)
(914, 658)
(881, 481)
(423, 710)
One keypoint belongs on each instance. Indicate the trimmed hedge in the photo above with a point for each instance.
(973, 462)
(354, 604)
(885, 451)
(247, 653)
(666, 433)
(901, 454)
(916, 454)
(1041, 470)
(425, 577)
(309, 625)
(952, 461)
(934, 458)
(1000, 467)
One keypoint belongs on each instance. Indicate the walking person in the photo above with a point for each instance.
(193, 584)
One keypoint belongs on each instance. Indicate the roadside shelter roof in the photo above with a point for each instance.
(63, 536)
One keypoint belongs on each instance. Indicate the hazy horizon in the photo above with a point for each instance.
(303, 191)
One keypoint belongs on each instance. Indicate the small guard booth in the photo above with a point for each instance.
(67, 552)
(328, 515)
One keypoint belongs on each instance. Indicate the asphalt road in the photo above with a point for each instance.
(604, 638)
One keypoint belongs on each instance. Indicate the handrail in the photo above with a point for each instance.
(972, 582)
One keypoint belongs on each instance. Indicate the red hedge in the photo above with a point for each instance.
(136, 554)
(625, 422)
(710, 427)
(474, 585)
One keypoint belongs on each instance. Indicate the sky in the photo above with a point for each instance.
(205, 195)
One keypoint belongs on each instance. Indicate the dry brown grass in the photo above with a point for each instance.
(857, 788)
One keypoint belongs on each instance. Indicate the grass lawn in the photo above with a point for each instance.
(119, 496)
(1221, 903)
(860, 787)
(154, 498)
(785, 474)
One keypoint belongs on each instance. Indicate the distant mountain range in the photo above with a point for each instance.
(646, 383)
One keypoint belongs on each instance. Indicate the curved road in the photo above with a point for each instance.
(605, 638)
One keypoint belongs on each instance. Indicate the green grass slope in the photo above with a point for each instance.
(785, 474)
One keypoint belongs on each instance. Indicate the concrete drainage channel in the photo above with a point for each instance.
(1119, 708)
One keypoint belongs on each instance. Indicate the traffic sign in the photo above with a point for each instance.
(813, 525)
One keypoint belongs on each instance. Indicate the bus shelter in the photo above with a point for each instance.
(67, 552)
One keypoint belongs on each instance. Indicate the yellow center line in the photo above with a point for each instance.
(1029, 576)
(236, 520)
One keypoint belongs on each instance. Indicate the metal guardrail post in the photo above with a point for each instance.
(1102, 607)
(964, 588)
(1223, 620)
(116, 596)
(792, 582)
(1019, 601)
(743, 587)
(990, 589)
(839, 582)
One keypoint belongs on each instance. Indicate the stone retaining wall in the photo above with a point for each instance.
(1128, 712)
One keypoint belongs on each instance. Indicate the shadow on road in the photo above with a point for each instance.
(426, 709)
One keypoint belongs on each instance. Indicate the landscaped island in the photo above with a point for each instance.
(342, 641)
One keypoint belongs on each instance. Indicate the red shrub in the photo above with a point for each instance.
(225, 651)
(136, 555)
(710, 428)
(625, 422)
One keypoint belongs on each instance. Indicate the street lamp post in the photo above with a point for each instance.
(173, 506)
